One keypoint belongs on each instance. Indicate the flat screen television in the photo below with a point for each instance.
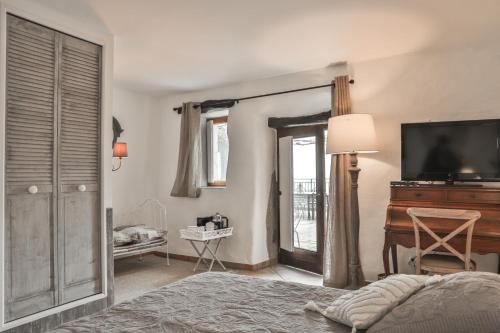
(451, 151)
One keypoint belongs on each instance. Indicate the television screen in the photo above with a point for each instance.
(453, 151)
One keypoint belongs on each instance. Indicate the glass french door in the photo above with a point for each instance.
(303, 184)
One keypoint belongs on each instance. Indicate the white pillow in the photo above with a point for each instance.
(363, 307)
(120, 238)
(141, 233)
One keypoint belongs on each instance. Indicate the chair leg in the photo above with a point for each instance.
(418, 267)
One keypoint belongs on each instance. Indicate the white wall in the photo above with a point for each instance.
(251, 161)
(453, 85)
(133, 182)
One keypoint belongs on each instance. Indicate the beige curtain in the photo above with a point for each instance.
(338, 236)
(272, 219)
(187, 181)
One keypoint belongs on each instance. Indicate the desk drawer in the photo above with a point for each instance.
(471, 196)
(417, 194)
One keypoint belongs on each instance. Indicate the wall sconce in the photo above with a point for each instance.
(119, 151)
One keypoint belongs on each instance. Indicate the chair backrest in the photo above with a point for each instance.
(469, 216)
(150, 212)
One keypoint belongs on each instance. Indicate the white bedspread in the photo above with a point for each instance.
(217, 303)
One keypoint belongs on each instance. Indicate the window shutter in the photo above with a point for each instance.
(31, 73)
(80, 101)
(79, 196)
(30, 274)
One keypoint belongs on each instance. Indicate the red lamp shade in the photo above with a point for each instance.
(120, 150)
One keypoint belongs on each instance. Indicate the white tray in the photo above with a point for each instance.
(196, 234)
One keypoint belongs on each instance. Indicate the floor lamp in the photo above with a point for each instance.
(352, 134)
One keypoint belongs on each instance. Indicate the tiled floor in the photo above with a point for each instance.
(134, 277)
(304, 236)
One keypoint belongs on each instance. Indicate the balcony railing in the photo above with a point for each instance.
(304, 211)
(305, 196)
(307, 185)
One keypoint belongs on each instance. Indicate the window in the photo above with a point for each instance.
(217, 151)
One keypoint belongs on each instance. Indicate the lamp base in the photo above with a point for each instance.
(355, 272)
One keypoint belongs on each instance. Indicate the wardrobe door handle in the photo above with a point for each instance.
(33, 189)
(82, 188)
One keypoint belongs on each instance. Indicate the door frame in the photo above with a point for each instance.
(300, 258)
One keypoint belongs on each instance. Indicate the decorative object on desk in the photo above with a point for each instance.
(119, 151)
(210, 226)
(349, 134)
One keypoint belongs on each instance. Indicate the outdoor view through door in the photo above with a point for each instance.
(307, 192)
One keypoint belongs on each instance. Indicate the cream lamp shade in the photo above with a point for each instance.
(351, 133)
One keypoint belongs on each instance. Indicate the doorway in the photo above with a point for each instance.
(303, 183)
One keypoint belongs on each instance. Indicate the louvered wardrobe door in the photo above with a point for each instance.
(30, 276)
(79, 200)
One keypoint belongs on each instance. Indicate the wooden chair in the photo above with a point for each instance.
(443, 263)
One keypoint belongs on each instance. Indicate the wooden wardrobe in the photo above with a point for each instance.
(52, 169)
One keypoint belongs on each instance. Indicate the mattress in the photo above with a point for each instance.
(139, 246)
(217, 303)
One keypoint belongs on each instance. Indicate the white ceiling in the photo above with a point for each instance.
(181, 45)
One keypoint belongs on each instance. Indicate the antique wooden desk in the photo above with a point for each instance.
(399, 227)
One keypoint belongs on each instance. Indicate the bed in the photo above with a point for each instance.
(224, 302)
(217, 302)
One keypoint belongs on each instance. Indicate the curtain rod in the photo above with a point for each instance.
(237, 100)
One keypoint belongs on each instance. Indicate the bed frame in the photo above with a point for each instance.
(151, 213)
